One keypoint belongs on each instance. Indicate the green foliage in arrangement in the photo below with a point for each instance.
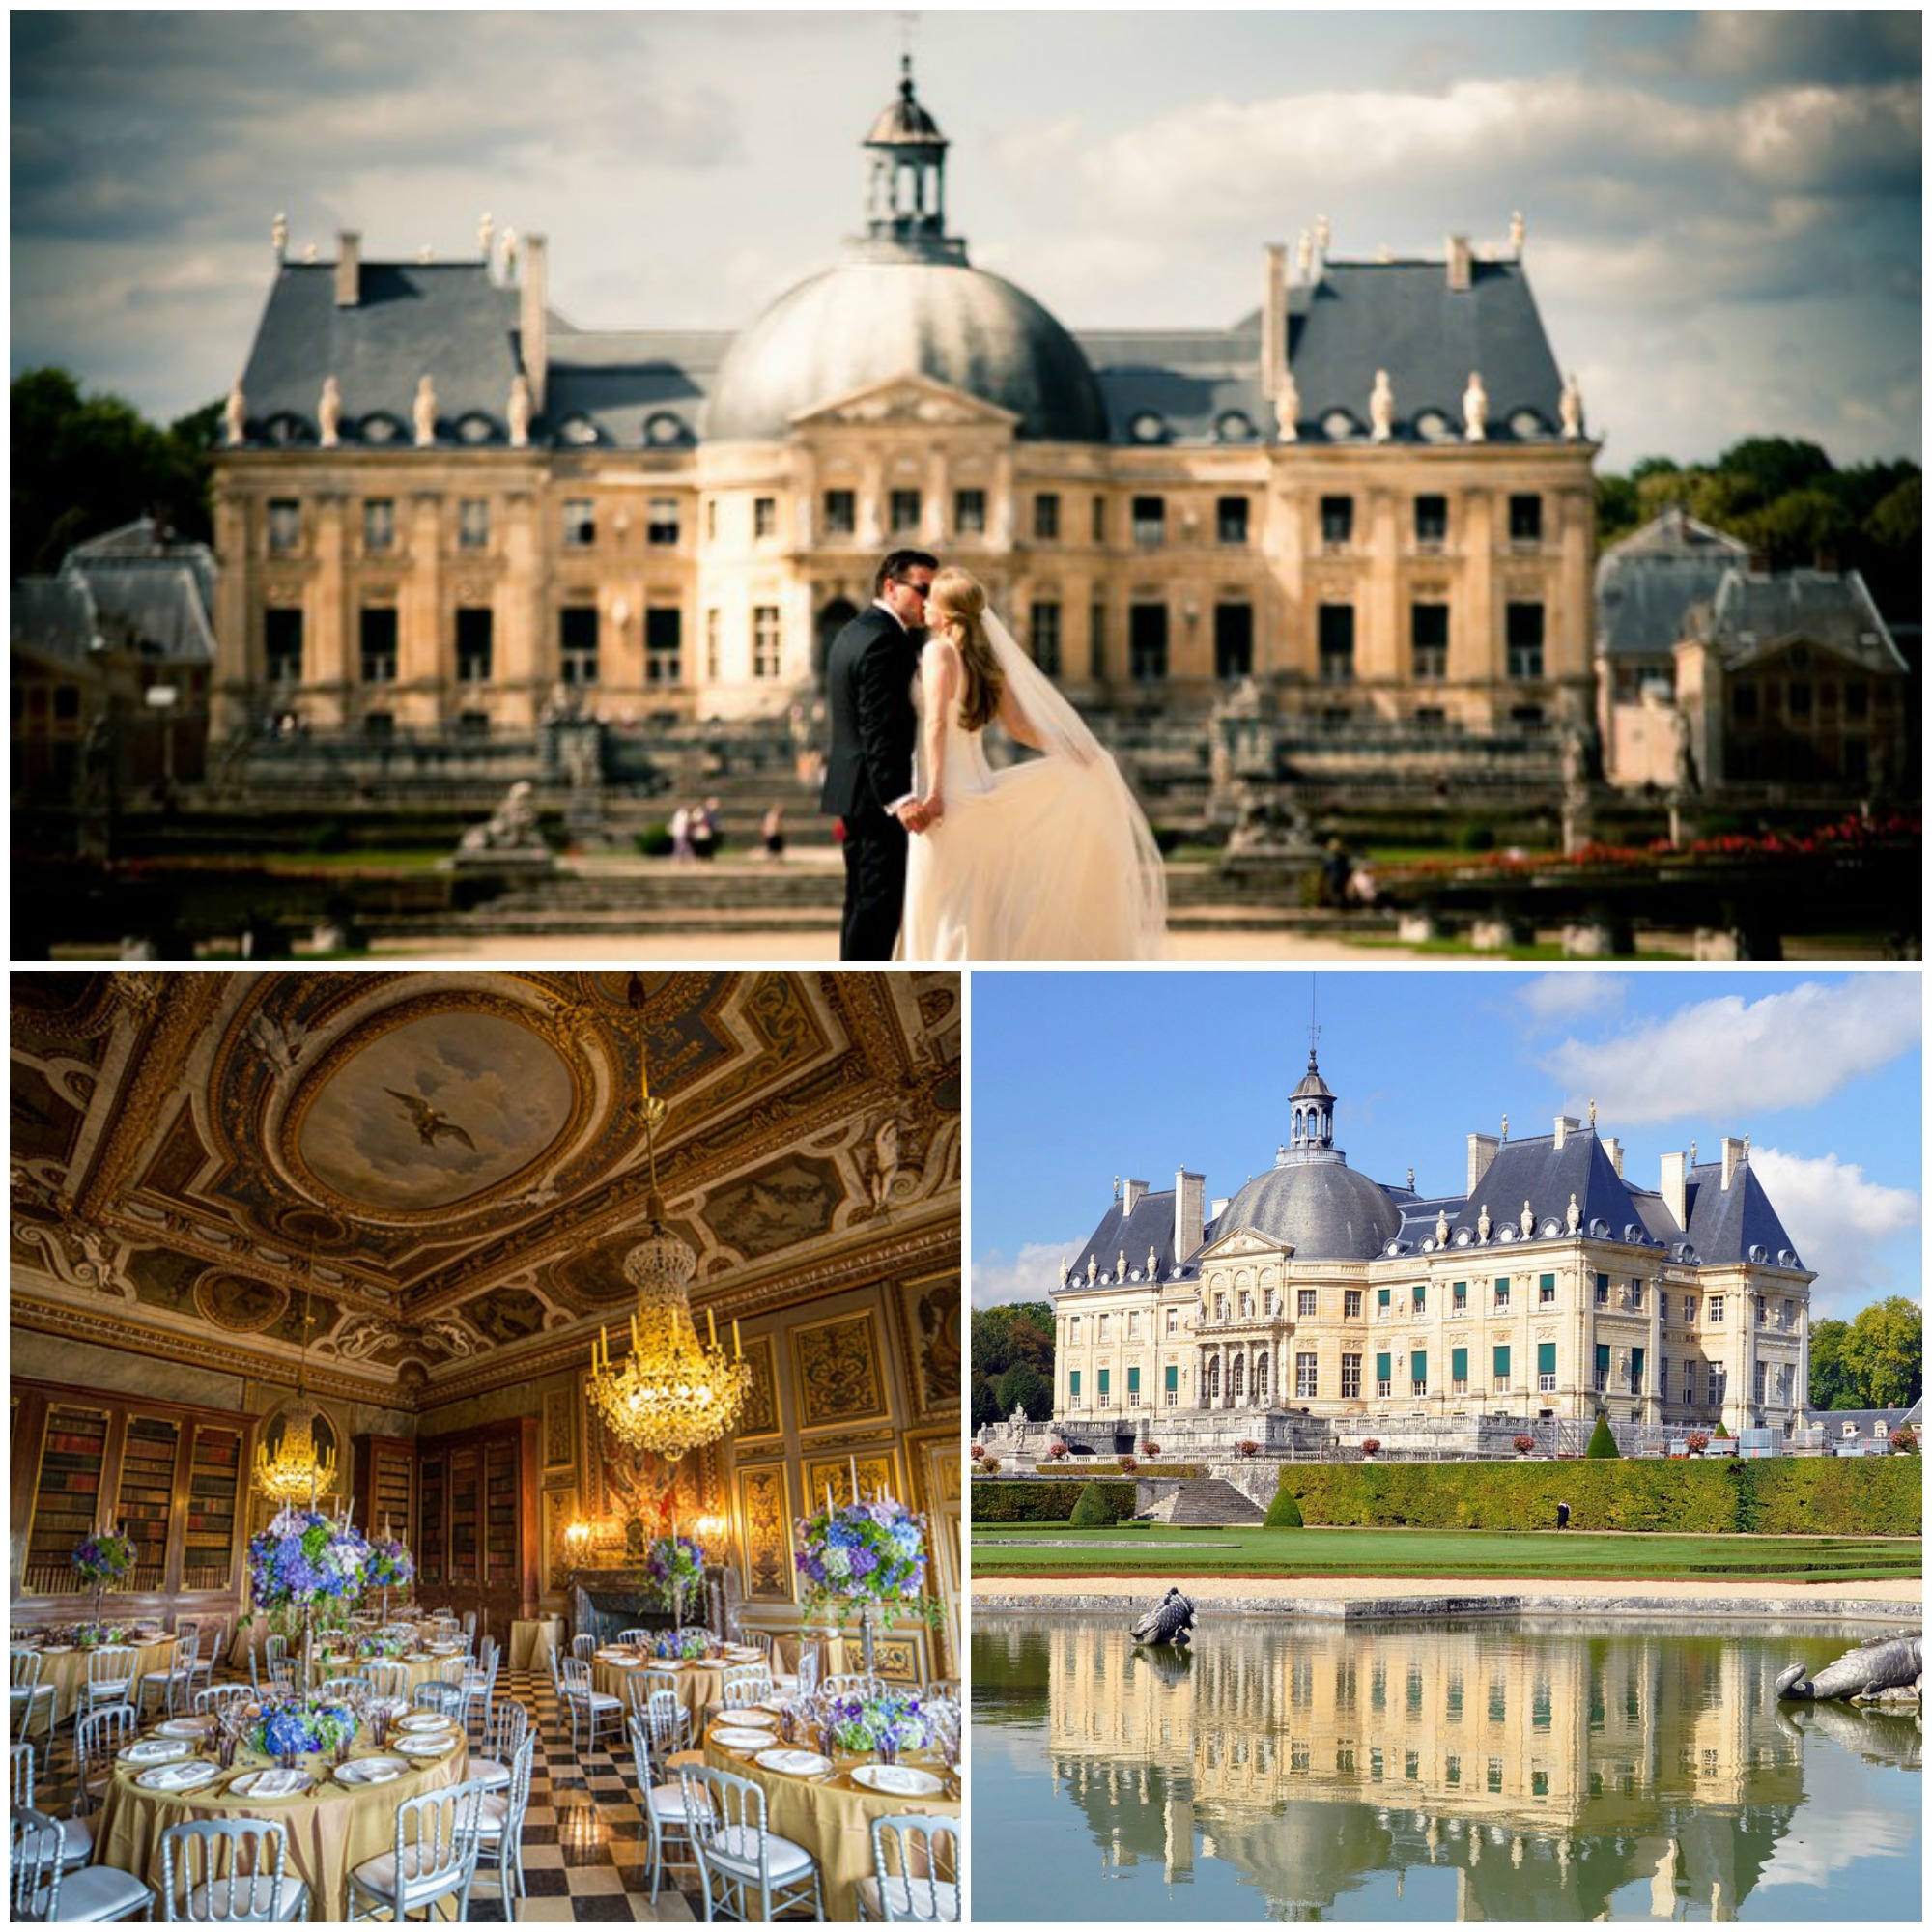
(996, 1501)
(1779, 1495)
(1284, 1512)
(1603, 1444)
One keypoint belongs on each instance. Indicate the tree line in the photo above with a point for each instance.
(1876, 1361)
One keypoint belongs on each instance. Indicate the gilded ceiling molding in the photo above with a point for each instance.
(185, 1007)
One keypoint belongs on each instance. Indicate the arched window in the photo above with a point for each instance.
(1213, 1378)
(1260, 1378)
(1236, 1378)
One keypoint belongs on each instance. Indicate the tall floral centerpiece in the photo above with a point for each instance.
(305, 1568)
(864, 1556)
(102, 1557)
(675, 1565)
(390, 1566)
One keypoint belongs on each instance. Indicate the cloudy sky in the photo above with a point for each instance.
(1723, 208)
(1078, 1077)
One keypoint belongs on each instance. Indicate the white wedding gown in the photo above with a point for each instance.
(1046, 859)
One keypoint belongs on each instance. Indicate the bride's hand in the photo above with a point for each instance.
(935, 808)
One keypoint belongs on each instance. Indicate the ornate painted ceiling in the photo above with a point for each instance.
(444, 1169)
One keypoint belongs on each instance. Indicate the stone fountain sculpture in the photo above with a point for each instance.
(1886, 1669)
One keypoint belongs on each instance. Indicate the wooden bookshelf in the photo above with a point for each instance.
(433, 1563)
(477, 1498)
(385, 1489)
(466, 1516)
(215, 1490)
(67, 1498)
(499, 1524)
(147, 1495)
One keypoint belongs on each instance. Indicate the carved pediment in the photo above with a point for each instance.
(911, 399)
(1239, 1244)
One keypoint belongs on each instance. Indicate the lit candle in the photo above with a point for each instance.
(711, 1322)
(737, 1347)
(854, 1462)
(604, 1335)
(828, 1499)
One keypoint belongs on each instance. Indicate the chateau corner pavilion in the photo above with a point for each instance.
(435, 1388)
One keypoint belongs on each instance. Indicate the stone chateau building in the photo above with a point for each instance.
(445, 511)
(1317, 1303)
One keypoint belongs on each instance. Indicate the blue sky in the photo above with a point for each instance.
(1077, 1077)
(1723, 209)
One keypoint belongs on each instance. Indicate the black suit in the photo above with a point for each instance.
(869, 674)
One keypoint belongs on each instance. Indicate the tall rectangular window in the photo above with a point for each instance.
(1351, 1378)
(1305, 1374)
(1146, 642)
(1522, 630)
(378, 525)
(1546, 1367)
(1603, 1366)
(1304, 1304)
(1603, 1290)
(1384, 1378)
(664, 644)
(661, 521)
(379, 643)
(841, 513)
(1133, 1388)
(285, 523)
(1231, 519)
(1458, 1297)
(1431, 521)
(1103, 1376)
(1338, 519)
(1097, 520)
(282, 643)
(1418, 1372)
(1429, 643)
(1045, 630)
(1636, 1372)
(1073, 1386)
(577, 644)
(969, 513)
(1097, 641)
(714, 645)
(1714, 1385)
(1233, 641)
(472, 522)
(579, 523)
(1047, 517)
(1421, 1300)
(1499, 1368)
(902, 510)
(1525, 518)
(765, 653)
(1546, 1291)
(1335, 638)
(1150, 519)
(476, 644)
(1502, 1291)
(764, 518)
(1351, 1304)
(1458, 1372)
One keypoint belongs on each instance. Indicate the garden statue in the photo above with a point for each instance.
(511, 828)
(1171, 1621)
(1878, 1665)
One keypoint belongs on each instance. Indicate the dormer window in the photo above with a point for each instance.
(1148, 426)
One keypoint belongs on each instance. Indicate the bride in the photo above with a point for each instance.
(1050, 859)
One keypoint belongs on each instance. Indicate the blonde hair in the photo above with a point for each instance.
(956, 606)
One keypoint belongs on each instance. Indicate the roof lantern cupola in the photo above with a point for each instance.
(1312, 1131)
(905, 199)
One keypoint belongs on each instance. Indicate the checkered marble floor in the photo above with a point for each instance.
(585, 1848)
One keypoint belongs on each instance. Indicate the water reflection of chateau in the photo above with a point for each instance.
(1550, 1771)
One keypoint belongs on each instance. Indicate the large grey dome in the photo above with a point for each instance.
(866, 322)
(1321, 1208)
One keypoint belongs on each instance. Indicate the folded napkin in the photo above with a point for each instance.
(277, 1783)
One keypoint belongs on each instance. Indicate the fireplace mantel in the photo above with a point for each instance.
(622, 1596)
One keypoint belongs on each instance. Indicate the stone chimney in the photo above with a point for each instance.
(1734, 1157)
(1274, 319)
(1482, 1151)
(348, 268)
(1136, 1190)
(535, 320)
(1672, 1186)
(1564, 1128)
(1460, 260)
(1189, 1221)
(1615, 1151)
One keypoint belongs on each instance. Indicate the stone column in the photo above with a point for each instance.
(525, 657)
(237, 658)
(1475, 624)
(324, 667)
(426, 648)
(1379, 604)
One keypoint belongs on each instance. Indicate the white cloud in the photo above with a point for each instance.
(1852, 1233)
(1031, 1275)
(1732, 1058)
(1557, 998)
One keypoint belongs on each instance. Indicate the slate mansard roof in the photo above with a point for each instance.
(131, 588)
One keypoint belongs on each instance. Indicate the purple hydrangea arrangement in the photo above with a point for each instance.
(104, 1556)
(688, 1645)
(296, 1726)
(888, 1724)
(863, 1553)
(675, 1566)
(303, 1560)
(391, 1565)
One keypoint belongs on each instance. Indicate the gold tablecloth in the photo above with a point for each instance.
(66, 1671)
(332, 1828)
(533, 1640)
(831, 1655)
(700, 1687)
(832, 1817)
(421, 1671)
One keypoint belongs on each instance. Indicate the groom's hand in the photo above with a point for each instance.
(911, 812)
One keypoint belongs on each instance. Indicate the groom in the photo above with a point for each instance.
(869, 773)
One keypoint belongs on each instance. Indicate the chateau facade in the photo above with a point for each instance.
(1548, 1289)
(443, 510)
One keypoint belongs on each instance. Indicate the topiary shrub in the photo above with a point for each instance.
(1091, 1510)
(1603, 1444)
(654, 842)
(1722, 1432)
(1284, 1512)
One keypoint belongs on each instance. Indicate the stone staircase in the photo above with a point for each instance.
(1207, 1503)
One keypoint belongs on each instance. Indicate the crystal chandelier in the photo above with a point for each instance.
(301, 1469)
(673, 1392)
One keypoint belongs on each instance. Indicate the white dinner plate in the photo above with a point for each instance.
(420, 1746)
(902, 1781)
(736, 1740)
(794, 1763)
(177, 1777)
(155, 1750)
(424, 1720)
(256, 1785)
(183, 1727)
(370, 1770)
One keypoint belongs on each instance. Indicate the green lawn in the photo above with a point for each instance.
(1052, 1550)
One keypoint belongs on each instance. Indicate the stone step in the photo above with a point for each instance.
(1210, 1503)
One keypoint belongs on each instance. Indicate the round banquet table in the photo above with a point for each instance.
(533, 1640)
(66, 1671)
(421, 1669)
(700, 1687)
(332, 1828)
(832, 1817)
(831, 1653)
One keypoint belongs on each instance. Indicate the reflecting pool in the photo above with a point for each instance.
(1485, 1770)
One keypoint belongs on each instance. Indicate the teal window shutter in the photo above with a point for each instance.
(1602, 1358)
(1503, 1366)
(1546, 1281)
(1133, 1381)
(1421, 1297)
(1381, 1368)
(1418, 1365)
(1546, 1359)
(1105, 1374)
(1381, 1297)
(1172, 1378)
(1459, 1365)
(1073, 1383)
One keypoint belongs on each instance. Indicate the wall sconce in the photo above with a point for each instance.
(713, 1531)
(1192, 613)
(577, 1538)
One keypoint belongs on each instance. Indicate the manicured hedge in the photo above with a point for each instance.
(1776, 1496)
(995, 1501)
